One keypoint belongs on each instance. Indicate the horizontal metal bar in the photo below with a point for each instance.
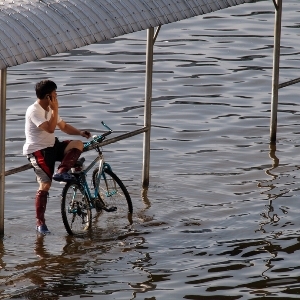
(284, 84)
(106, 142)
(124, 136)
(18, 169)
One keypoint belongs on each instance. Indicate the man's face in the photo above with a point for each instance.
(51, 96)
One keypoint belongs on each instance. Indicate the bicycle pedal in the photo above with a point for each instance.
(111, 209)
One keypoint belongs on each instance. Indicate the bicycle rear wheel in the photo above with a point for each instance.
(113, 193)
(75, 209)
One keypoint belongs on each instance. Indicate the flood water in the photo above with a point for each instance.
(220, 219)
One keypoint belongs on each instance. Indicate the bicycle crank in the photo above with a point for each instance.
(109, 209)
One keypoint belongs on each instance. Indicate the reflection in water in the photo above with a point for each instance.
(145, 198)
(274, 158)
(270, 217)
(40, 248)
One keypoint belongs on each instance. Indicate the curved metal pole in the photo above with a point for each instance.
(275, 77)
(3, 75)
(147, 109)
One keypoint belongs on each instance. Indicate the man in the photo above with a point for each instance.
(43, 149)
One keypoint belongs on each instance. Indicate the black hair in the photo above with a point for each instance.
(44, 87)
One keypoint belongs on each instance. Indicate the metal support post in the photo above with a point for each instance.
(147, 109)
(3, 75)
(275, 77)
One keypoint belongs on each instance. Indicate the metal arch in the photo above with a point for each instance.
(167, 8)
(8, 49)
(99, 7)
(32, 34)
(150, 11)
(121, 14)
(51, 28)
(208, 6)
(3, 58)
(60, 25)
(200, 7)
(179, 11)
(83, 3)
(187, 2)
(69, 21)
(108, 28)
(134, 4)
(98, 20)
(23, 13)
(180, 7)
(12, 25)
(226, 3)
(217, 3)
(82, 22)
(147, 20)
(112, 18)
(159, 8)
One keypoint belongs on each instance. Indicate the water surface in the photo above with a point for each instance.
(220, 219)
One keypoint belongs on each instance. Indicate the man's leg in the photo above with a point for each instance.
(43, 163)
(71, 155)
(40, 207)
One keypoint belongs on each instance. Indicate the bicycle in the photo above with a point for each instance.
(110, 194)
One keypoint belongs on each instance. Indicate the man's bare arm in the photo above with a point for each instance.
(69, 129)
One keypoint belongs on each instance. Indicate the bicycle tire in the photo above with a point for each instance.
(75, 209)
(113, 193)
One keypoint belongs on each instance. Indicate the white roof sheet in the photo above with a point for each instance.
(33, 29)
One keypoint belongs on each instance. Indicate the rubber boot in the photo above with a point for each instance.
(69, 160)
(40, 207)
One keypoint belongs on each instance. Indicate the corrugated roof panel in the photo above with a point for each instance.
(33, 29)
(186, 9)
(134, 14)
(98, 19)
(143, 9)
(169, 12)
(114, 10)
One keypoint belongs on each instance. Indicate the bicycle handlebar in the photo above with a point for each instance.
(97, 139)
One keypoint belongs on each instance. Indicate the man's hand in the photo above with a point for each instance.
(85, 133)
(53, 103)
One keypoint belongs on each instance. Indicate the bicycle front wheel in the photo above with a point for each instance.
(113, 194)
(75, 209)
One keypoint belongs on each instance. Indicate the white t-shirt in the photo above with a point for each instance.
(37, 138)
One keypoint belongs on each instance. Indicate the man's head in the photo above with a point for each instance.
(44, 88)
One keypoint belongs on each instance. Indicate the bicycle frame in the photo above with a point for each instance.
(94, 144)
(79, 198)
(83, 174)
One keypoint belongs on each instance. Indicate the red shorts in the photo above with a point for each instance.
(43, 161)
